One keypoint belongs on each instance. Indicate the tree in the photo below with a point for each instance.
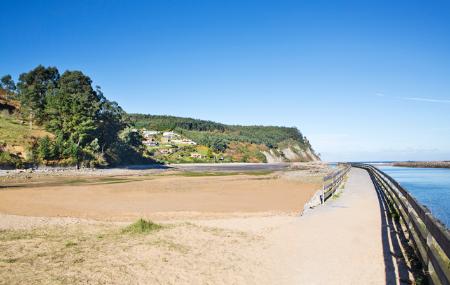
(111, 120)
(131, 137)
(7, 83)
(73, 110)
(34, 86)
(44, 149)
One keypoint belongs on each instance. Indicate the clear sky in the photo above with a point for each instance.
(363, 80)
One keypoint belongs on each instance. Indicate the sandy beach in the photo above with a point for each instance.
(68, 230)
(160, 197)
(229, 229)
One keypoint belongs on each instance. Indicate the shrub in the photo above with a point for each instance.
(10, 160)
(142, 227)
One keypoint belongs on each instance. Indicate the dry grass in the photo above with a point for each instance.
(104, 254)
(17, 135)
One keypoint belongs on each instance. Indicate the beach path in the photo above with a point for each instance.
(347, 241)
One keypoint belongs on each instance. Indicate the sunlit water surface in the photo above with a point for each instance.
(430, 186)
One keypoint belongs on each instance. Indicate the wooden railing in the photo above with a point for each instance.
(332, 181)
(429, 237)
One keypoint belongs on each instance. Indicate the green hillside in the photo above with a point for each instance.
(49, 118)
(203, 130)
(234, 142)
(78, 125)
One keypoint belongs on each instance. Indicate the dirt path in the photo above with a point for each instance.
(343, 242)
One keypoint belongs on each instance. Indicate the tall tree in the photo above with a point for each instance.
(111, 120)
(34, 86)
(7, 83)
(73, 109)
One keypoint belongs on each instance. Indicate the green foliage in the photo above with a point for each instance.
(9, 160)
(142, 227)
(216, 135)
(89, 130)
(7, 83)
(85, 124)
(131, 137)
(34, 87)
(111, 121)
(45, 148)
(72, 109)
(167, 123)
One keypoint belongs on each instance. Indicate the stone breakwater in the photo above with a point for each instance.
(424, 164)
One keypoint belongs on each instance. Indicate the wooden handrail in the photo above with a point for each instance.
(332, 181)
(429, 236)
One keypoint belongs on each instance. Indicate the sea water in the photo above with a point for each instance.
(430, 187)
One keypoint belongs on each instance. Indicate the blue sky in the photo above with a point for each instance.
(363, 80)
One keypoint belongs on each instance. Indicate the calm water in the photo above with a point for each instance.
(430, 186)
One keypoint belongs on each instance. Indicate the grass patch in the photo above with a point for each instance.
(142, 227)
(71, 243)
(9, 260)
(63, 181)
(337, 194)
(11, 235)
(13, 132)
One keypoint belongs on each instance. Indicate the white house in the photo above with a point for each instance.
(148, 134)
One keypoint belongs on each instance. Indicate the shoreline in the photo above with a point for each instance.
(422, 164)
(161, 168)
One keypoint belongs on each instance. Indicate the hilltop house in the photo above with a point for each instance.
(166, 150)
(150, 142)
(196, 155)
(149, 137)
(170, 135)
(149, 133)
(184, 141)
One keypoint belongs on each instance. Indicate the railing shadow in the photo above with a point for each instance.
(393, 240)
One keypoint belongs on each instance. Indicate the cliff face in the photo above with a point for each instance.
(291, 153)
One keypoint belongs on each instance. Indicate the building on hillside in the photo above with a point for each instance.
(166, 151)
(196, 155)
(149, 133)
(184, 141)
(150, 143)
(170, 135)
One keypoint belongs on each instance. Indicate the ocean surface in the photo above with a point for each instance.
(430, 186)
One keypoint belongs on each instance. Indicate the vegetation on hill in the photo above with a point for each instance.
(206, 131)
(61, 119)
(87, 129)
(230, 142)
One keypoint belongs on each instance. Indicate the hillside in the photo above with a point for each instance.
(16, 136)
(232, 143)
(49, 118)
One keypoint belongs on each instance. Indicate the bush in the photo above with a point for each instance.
(10, 160)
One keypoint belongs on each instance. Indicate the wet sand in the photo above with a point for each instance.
(160, 197)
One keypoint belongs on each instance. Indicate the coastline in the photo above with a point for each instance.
(423, 164)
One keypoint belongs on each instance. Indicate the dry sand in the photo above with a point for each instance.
(61, 231)
(339, 243)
